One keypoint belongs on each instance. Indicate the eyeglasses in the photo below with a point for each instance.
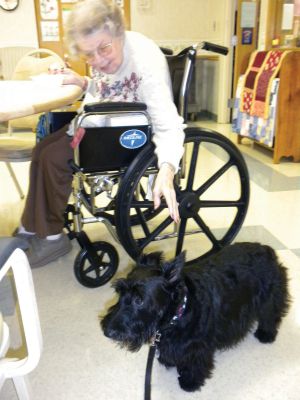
(102, 51)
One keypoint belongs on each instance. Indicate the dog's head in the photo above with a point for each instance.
(149, 292)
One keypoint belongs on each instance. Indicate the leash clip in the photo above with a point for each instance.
(156, 338)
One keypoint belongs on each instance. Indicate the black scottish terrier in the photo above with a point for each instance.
(200, 309)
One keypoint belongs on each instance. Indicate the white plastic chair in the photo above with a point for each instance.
(4, 338)
(13, 258)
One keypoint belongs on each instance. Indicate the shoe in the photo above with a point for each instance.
(22, 235)
(42, 251)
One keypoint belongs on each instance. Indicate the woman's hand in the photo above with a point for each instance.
(70, 77)
(164, 187)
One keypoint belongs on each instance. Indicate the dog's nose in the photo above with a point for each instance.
(111, 333)
(109, 329)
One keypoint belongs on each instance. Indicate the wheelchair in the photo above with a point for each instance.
(114, 169)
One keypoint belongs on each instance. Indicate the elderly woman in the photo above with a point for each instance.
(126, 66)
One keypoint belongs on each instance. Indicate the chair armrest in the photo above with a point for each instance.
(115, 106)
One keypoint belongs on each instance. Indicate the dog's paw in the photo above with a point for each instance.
(265, 336)
(189, 384)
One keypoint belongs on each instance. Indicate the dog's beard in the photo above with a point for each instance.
(131, 345)
(131, 338)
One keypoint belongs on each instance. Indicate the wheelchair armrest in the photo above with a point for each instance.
(114, 106)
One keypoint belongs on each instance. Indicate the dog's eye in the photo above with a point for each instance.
(138, 301)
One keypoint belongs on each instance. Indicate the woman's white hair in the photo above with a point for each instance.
(90, 16)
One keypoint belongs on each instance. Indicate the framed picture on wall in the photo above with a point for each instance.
(50, 31)
(49, 9)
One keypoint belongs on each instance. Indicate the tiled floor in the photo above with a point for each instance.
(78, 362)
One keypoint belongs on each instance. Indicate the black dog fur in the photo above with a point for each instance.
(225, 295)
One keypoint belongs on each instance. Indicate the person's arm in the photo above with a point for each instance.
(168, 134)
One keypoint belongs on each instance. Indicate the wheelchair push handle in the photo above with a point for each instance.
(214, 47)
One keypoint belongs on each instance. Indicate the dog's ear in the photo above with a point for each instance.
(172, 269)
(120, 285)
(150, 260)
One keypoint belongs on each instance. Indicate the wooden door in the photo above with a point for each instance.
(283, 27)
(246, 35)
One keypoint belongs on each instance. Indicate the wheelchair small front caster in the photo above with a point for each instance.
(93, 276)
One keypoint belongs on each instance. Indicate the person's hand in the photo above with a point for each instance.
(73, 78)
(164, 187)
(56, 68)
(70, 77)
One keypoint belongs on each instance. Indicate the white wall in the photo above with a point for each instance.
(177, 21)
(177, 24)
(18, 28)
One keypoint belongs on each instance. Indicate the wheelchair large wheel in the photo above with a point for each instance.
(94, 276)
(213, 197)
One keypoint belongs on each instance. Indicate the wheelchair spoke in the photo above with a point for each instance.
(89, 270)
(141, 204)
(146, 208)
(142, 221)
(221, 203)
(214, 178)
(142, 192)
(104, 266)
(146, 204)
(180, 238)
(97, 269)
(207, 231)
(145, 241)
(192, 169)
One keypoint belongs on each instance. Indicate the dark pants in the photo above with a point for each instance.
(50, 185)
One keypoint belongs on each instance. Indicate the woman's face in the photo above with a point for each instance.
(102, 51)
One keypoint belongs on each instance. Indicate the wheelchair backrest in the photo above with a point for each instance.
(125, 131)
(111, 148)
(181, 70)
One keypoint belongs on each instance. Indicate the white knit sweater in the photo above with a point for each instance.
(144, 77)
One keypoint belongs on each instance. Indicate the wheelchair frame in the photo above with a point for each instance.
(97, 262)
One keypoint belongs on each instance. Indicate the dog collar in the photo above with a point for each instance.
(179, 311)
